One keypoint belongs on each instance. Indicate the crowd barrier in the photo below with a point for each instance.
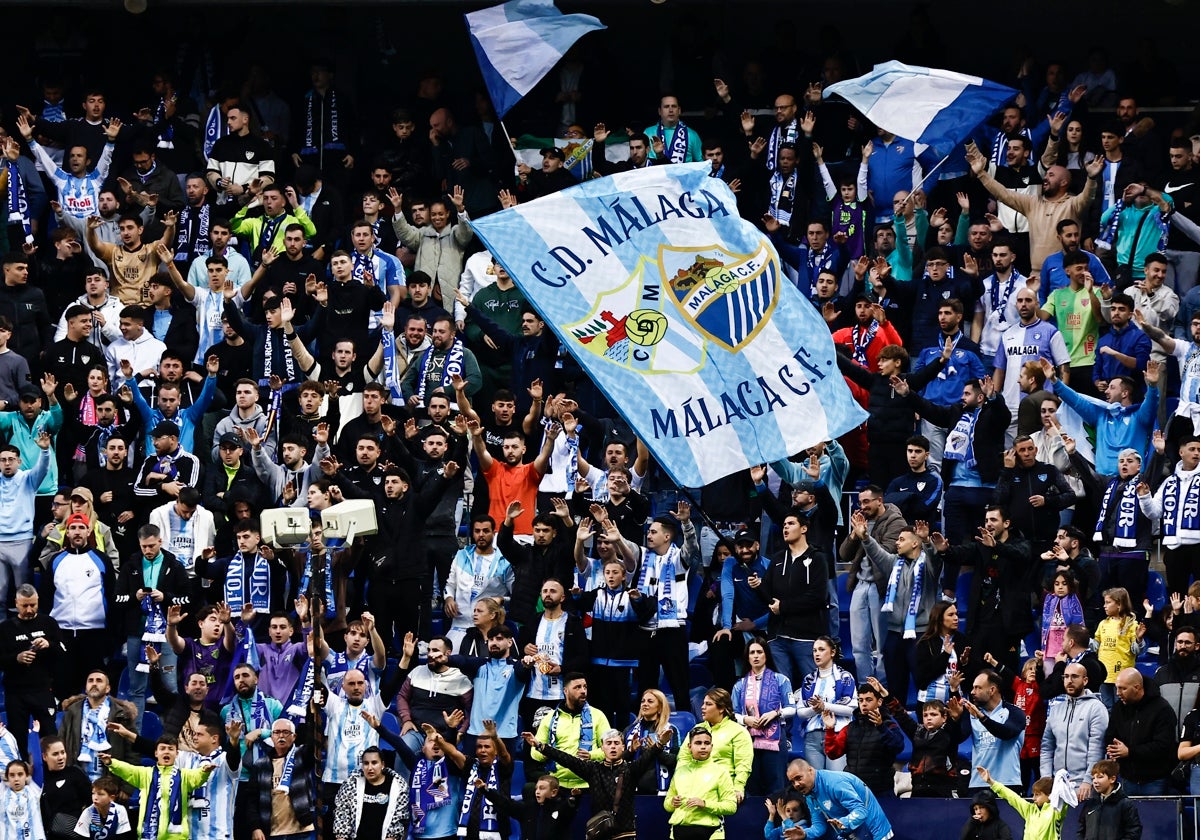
(917, 819)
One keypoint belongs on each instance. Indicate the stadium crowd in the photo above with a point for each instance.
(211, 310)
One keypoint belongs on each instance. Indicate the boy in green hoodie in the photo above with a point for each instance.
(701, 792)
(1042, 820)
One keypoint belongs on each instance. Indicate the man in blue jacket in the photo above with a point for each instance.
(840, 805)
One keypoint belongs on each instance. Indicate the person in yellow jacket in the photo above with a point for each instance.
(166, 789)
(732, 747)
(1043, 821)
(701, 792)
(573, 727)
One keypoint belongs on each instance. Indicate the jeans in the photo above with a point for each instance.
(814, 752)
(768, 772)
(1182, 267)
(1194, 781)
(1154, 787)
(793, 658)
(140, 680)
(866, 631)
(937, 442)
(835, 610)
(14, 564)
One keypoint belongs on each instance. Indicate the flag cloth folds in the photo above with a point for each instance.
(936, 108)
(518, 42)
(679, 311)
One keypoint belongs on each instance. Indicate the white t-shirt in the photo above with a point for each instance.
(1021, 344)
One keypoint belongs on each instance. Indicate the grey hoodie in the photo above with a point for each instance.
(231, 423)
(1074, 735)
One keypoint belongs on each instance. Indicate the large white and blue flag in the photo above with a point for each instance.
(679, 311)
(934, 108)
(518, 42)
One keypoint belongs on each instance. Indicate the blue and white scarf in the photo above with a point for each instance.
(960, 443)
(783, 197)
(662, 773)
(93, 738)
(1000, 147)
(1000, 301)
(914, 599)
(819, 261)
(1178, 526)
(18, 201)
(1125, 528)
(489, 823)
(260, 584)
(215, 127)
(676, 150)
(166, 131)
(289, 767)
(101, 828)
(155, 632)
(253, 715)
(187, 247)
(391, 374)
(668, 610)
(154, 803)
(452, 365)
(53, 112)
(587, 732)
(861, 339)
(428, 791)
(306, 580)
(297, 707)
(779, 136)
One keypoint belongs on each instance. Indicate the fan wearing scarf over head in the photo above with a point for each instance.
(165, 790)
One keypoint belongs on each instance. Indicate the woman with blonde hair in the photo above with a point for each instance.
(487, 614)
(654, 718)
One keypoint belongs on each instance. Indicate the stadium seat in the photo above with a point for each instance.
(123, 684)
(391, 723)
(843, 595)
(1156, 591)
(684, 722)
(152, 728)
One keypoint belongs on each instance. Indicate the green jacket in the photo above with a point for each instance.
(707, 780)
(252, 227)
(1042, 822)
(140, 778)
(732, 750)
(566, 738)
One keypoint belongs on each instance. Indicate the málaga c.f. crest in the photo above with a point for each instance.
(727, 297)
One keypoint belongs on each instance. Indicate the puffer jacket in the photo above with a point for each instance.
(870, 751)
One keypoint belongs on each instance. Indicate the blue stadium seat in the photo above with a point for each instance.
(843, 595)
(518, 778)
(152, 728)
(684, 722)
(1156, 590)
(391, 723)
(123, 684)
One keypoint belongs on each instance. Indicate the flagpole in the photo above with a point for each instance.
(930, 172)
(508, 141)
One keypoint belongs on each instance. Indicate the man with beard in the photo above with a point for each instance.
(999, 601)
(553, 645)
(253, 709)
(219, 234)
(112, 487)
(195, 222)
(510, 480)
(29, 646)
(79, 585)
(431, 693)
(550, 556)
(1179, 679)
(498, 681)
(573, 728)
(478, 571)
(434, 369)
(85, 722)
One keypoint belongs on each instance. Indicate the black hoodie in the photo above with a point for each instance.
(994, 829)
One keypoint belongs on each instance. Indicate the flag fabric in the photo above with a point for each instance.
(578, 153)
(936, 108)
(679, 311)
(518, 42)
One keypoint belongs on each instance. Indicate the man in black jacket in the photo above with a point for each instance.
(397, 593)
(971, 460)
(1076, 649)
(998, 612)
(550, 556)
(1142, 735)
(231, 478)
(1033, 493)
(29, 645)
(146, 586)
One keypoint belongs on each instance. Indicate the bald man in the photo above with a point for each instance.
(1141, 735)
(841, 804)
(1074, 736)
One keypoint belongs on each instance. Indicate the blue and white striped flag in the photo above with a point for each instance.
(935, 108)
(517, 43)
(679, 311)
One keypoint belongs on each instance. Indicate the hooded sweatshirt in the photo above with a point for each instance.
(1074, 736)
(994, 829)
